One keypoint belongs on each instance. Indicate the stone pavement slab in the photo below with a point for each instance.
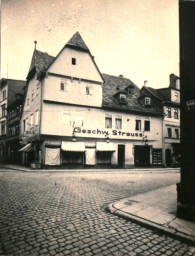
(156, 208)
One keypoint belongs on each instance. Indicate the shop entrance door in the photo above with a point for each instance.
(121, 155)
(168, 157)
(142, 156)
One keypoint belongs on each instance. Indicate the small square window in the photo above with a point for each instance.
(87, 90)
(73, 61)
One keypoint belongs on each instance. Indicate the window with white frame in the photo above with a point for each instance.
(37, 117)
(169, 112)
(31, 120)
(138, 125)
(108, 121)
(118, 123)
(147, 101)
(123, 98)
(176, 116)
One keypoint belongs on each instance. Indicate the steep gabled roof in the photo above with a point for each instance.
(77, 41)
(40, 61)
(114, 85)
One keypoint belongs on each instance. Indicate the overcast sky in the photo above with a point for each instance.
(136, 38)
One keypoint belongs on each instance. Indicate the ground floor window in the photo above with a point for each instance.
(142, 155)
(104, 157)
(72, 157)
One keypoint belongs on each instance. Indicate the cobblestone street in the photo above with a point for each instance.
(64, 214)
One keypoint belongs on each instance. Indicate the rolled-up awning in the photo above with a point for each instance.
(104, 146)
(27, 148)
(73, 146)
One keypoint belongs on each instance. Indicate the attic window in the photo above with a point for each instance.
(147, 101)
(130, 91)
(123, 98)
(73, 61)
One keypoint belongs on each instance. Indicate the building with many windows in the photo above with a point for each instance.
(10, 90)
(75, 115)
(167, 99)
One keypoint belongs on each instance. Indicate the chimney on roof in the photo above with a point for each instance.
(145, 83)
(120, 75)
(35, 42)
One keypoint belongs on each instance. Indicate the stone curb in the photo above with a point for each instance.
(149, 224)
(89, 170)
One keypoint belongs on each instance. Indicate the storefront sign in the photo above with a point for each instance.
(107, 133)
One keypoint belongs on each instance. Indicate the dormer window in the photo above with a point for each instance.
(147, 101)
(73, 61)
(123, 98)
(129, 89)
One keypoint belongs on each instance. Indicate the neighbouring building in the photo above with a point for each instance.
(168, 100)
(9, 89)
(186, 187)
(75, 115)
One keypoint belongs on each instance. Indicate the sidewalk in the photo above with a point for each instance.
(156, 209)
(28, 169)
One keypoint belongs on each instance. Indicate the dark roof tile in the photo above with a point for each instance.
(77, 41)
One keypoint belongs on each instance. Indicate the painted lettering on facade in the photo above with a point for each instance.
(107, 133)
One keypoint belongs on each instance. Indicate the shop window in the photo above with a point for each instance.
(138, 125)
(73, 61)
(108, 122)
(176, 116)
(177, 133)
(147, 101)
(118, 123)
(169, 112)
(4, 94)
(3, 128)
(147, 125)
(169, 131)
(3, 110)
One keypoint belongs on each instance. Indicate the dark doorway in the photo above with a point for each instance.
(121, 155)
(168, 157)
(142, 155)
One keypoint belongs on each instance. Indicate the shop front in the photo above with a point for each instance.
(142, 155)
